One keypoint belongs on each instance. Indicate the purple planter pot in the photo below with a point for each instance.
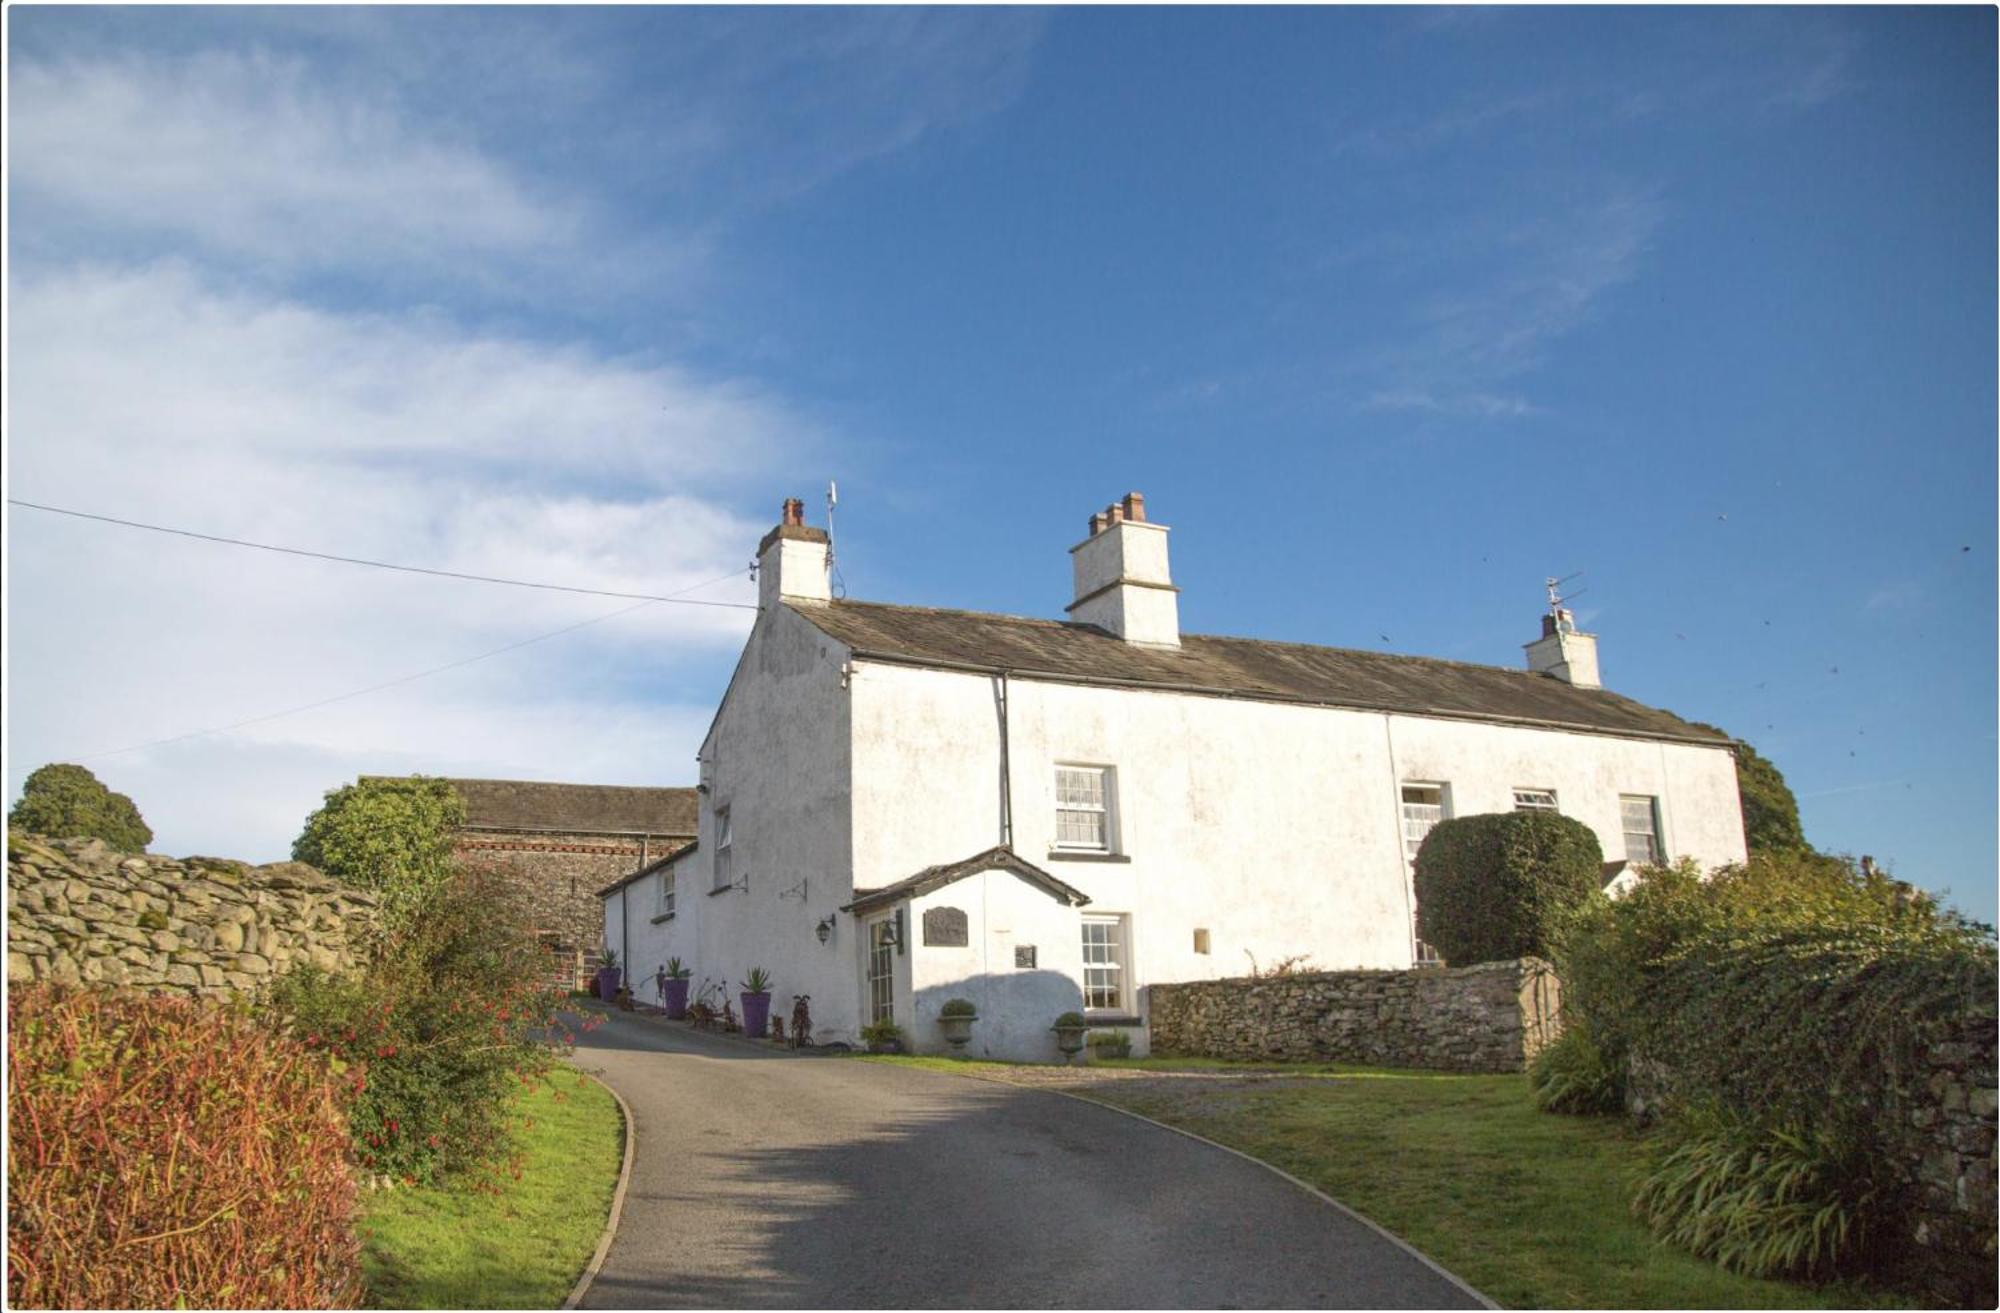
(677, 1000)
(756, 1013)
(607, 983)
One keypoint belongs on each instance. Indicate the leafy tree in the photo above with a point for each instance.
(393, 836)
(68, 802)
(1504, 885)
(1770, 812)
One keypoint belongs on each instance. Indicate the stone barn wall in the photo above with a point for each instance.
(558, 876)
(79, 912)
(1490, 1017)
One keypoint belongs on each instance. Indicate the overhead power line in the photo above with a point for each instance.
(675, 598)
(387, 683)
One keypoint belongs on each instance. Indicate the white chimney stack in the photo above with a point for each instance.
(1122, 581)
(1564, 652)
(792, 561)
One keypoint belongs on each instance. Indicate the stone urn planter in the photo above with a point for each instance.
(756, 998)
(955, 1018)
(1069, 1029)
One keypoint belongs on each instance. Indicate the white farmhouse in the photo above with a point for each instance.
(900, 806)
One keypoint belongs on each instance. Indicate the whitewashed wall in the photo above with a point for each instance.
(1016, 1005)
(777, 757)
(1275, 827)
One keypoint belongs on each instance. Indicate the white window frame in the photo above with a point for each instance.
(1107, 777)
(1532, 805)
(1119, 963)
(724, 853)
(1420, 952)
(667, 892)
(1657, 835)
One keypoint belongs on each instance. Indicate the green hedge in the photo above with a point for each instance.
(1501, 886)
(1781, 1013)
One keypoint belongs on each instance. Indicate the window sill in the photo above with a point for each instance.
(664, 916)
(1112, 1019)
(1080, 855)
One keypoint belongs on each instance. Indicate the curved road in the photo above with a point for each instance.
(763, 1179)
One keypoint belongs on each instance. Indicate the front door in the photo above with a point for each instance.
(881, 971)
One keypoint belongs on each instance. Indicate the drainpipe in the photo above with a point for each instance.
(1006, 773)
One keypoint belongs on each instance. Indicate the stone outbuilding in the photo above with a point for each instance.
(563, 842)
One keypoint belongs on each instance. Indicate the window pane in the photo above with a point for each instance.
(1534, 800)
(1642, 829)
(1103, 964)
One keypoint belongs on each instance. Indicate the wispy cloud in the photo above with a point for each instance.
(1461, 351)
(1430, 132)
(246, 155)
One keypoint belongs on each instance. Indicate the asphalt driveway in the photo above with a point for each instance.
(767, 1180)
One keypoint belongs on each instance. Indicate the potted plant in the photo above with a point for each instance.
(1110, 1044)
(608, 975)
(957, 1016)
(674, 989)
(756, 1002)
(1069, 1030)
(882, 1037)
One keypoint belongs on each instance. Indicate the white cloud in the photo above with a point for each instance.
(154, 395)
(248, 154)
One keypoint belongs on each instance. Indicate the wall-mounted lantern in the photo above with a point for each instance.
(824, 930)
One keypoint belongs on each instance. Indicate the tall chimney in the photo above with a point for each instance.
(1122, 581)
(1565, 652)
(792, 560)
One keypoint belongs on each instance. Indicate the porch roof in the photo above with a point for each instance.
(1000, 858)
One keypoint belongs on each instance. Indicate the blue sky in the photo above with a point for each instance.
(1390, 313)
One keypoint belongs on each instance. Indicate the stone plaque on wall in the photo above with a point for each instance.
(944, 927)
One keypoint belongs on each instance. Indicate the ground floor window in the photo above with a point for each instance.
(1106, 964)
(881, 971)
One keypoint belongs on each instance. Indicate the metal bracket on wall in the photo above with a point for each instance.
(797, 891)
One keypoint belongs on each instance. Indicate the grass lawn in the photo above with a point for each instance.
(521, 1248)
(1531, 1208)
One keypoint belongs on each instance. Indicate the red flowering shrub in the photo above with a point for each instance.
(439, 1033)
(164, 1153)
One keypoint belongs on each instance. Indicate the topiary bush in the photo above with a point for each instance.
(165, 1154)
(392, 836)
(68, 802)
(1506, 885)
(450, 1018)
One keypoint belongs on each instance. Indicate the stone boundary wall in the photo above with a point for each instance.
(79, 912)
(1490, 1017)
(1952, 1108)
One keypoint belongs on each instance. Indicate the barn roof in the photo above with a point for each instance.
(1253, 668)
(577, 808)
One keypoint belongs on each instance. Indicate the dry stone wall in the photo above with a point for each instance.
(78, 911)
(1490, 1017)
(1953, 1117)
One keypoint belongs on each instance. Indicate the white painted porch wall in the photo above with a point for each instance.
(1016, 1005)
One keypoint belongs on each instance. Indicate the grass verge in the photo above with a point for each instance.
(522, 1246)
(1531, 1208)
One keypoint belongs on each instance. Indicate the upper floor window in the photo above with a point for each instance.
(1641, 818)
(1535, 800)
(666, 892)
(1085, 809)
(724, 854)
(1424, 805)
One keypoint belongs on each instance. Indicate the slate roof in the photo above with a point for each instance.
(936, 877)
(646, 870)
(1241, 667)
(577, 808)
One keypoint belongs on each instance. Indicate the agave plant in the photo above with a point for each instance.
(759, 981)
(675, 970)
